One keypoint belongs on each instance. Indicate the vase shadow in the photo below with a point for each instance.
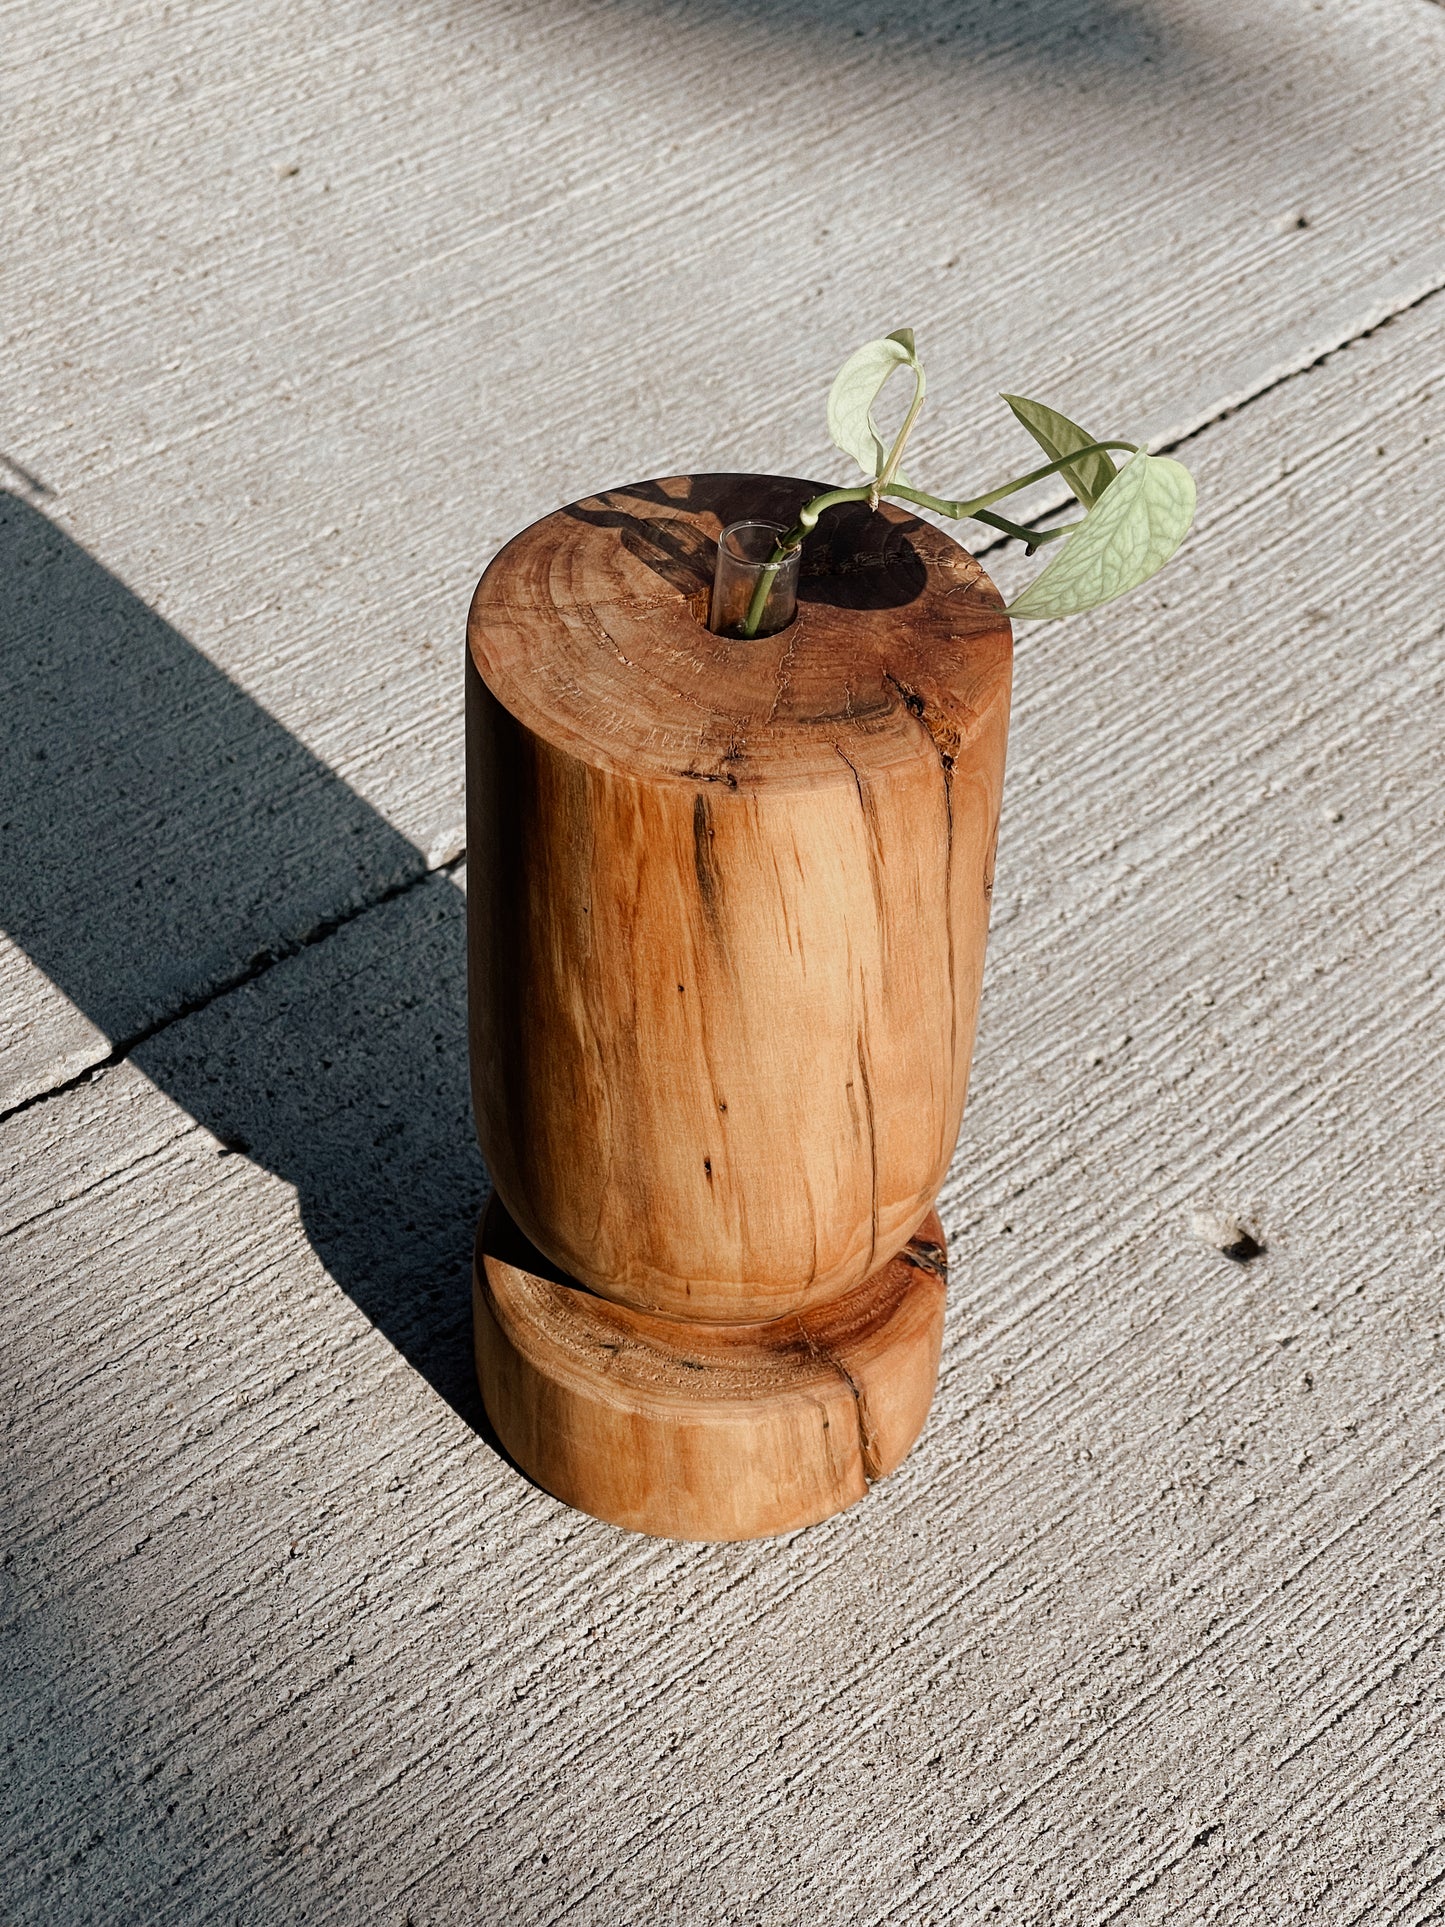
(853, 559)
(161, 836)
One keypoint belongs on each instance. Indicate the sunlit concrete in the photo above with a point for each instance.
(305, 312)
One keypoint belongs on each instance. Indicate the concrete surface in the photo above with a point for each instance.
(304, 312)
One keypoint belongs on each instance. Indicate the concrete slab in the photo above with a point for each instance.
(305, 316)
(1148, 1628)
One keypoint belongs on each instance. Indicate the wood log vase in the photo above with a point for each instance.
(727, 908)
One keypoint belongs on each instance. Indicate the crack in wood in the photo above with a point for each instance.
(872, 1149)
(704, 863)
(870, 830)
(924, 1255)
(868, 1453)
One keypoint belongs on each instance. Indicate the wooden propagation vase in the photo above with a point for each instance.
(727, 906)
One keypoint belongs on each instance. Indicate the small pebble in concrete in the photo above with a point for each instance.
(1227, 1235)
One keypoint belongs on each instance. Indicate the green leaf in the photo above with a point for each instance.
(1132, 530)
(1057, 436)
(856, 387)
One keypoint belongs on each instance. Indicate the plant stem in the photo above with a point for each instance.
(975, 509)
(895, 454)
(963, 511)
(761, 593)
(1031, 538)
(806, 522)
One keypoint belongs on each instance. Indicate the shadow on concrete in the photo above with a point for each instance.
(157, 829)
(1091, 40)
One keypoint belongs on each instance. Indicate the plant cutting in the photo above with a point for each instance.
(1134, 519)
(735, 756)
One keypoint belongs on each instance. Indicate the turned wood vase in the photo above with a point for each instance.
(727, 900)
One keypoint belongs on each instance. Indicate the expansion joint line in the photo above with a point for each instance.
(238, 980)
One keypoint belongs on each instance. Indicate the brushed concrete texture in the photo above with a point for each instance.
(1148, 1629)
(304, 312)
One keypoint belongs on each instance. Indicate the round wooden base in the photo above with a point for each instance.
(696, 1431)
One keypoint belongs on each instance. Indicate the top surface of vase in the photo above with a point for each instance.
(590, 627)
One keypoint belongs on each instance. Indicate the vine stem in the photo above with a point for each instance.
(976, 509)
(785, 544)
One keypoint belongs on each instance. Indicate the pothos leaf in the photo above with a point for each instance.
(1132, 530)
(856, 387)
(1057, 436)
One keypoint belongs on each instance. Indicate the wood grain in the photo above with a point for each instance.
(728, 901)
(694, 1431)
